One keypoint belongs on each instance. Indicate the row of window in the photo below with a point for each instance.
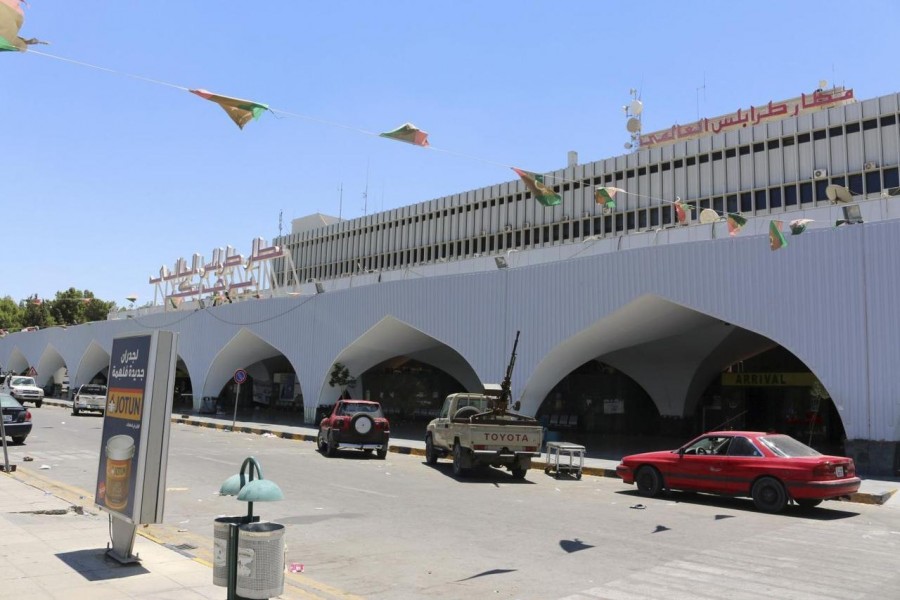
(746, 202)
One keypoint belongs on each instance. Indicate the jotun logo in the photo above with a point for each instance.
(125, 404)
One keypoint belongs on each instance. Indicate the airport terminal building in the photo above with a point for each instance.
(633, 322)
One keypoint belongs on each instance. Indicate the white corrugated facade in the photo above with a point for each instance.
(664, 303)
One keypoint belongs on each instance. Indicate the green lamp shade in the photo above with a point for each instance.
(260, 490)
(233, 485)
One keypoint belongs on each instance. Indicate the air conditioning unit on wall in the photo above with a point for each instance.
(870, 166)
(820, 174)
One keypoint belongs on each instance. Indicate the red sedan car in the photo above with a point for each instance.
(771, 468)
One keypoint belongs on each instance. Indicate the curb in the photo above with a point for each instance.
(858, 497)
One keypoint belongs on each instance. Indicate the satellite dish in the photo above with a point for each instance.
(838, 193)
(633, 125)
(636, 107)
(708, 215)
(823, 84)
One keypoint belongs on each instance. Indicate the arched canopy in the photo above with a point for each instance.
(50, 362)
(244, 349)
(391, 337)
(94, 360)
(17, 361)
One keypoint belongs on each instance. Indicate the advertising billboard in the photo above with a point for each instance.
(134, 445)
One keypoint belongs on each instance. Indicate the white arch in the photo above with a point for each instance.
(391, 337)
(50, 362)
(244, 349)
(17, 361)
(94, 359)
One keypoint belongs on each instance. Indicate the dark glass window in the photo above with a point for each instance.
(855, 184)
(704, 158)
(690, 161)
(891, 178)
(607, 178)
(666, 217)
(546, 233)
(678, 163)
(772, 144)
(852, 127)
(718, 205)
(717, 155)
(730, 153)
(703, 203)
(642, 171)
(744, 150)
(576, 230)
(790, 195)
(873, 182)
(888, 120)
(731, 203)
(803, 138)
(598, 180)
(774, 197)
(607, 225)
(761, 200)
(746, 202)
(819, 135)
(821, 184)
(836, 131)
(642, 219)
(806, 194)
(629, 221)
(598, 225)
(527, 237)
(654, 168)
(629, 173)
(654, 217)
(759, 147)
(666, 166)
(837, 181)
(619, 222)
(787, 141)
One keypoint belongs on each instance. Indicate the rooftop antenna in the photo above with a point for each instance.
(280, 221)
(366, 192)
(702, 87)
(633, 112)
(340, 200)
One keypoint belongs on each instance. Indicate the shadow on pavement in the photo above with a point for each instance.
(94, 565)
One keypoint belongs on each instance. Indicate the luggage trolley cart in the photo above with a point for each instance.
(557, 452)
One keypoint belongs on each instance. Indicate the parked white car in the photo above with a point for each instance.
(23, 389)
(90, 396)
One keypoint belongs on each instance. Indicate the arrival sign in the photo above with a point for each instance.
(134, 448)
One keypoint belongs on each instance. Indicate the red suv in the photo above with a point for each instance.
(357, 424)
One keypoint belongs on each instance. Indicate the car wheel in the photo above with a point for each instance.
(458, 469)
(649, 481)
(431, 456)
(38, 403)
(74, 411)
(808, 502)
(18, 439)
(320, 442)
(382, 452)
(769, 495)
(330, 447)
(519, 472)
(362, 424)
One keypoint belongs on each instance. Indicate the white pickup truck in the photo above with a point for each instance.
(476, 429)
(23, 389)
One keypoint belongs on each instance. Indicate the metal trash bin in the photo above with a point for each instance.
(208, 405)
(260, 563)
(220, 548)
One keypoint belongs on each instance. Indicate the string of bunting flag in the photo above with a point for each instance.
(243, 111)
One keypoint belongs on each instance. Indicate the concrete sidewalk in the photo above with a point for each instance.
(53, 549)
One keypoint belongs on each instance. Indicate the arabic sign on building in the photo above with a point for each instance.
(772, 111)
(768, 379)
(134, 442)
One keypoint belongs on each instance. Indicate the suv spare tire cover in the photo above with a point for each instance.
(362, 424)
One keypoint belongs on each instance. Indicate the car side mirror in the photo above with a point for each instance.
(680, 452)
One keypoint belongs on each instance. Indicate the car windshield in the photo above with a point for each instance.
(94, 390)
(9, 402)
(351, 408)
(786, 446)
(22, 381)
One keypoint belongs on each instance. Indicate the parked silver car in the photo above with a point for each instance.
(90, 396)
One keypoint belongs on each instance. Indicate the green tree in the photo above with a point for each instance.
(68, 307)
(10, 314)
(96, 309)
(36, 313)
(340, 377)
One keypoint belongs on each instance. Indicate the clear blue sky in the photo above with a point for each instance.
(106, 177)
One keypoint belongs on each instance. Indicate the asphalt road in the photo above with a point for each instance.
(397, 529)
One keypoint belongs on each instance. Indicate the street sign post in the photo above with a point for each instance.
(240, 376)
